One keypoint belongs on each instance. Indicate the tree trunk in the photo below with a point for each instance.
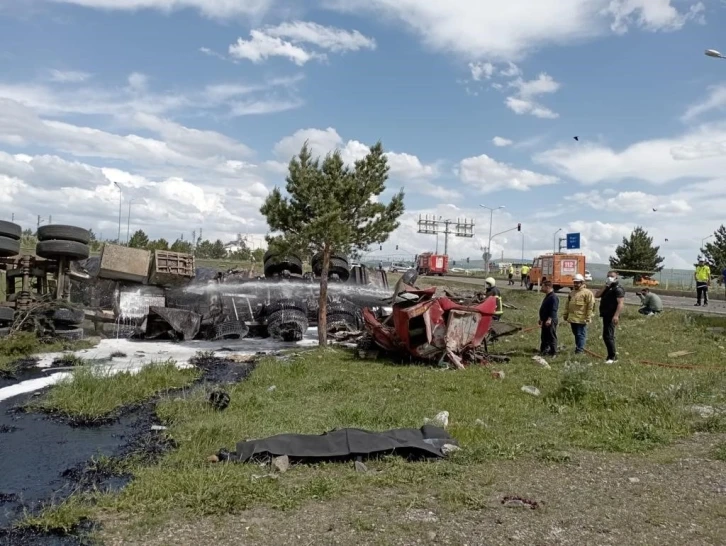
(323, 301)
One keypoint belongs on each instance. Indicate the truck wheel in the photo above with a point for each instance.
(60, 232)
(10, 230)
(9, 247)
(7, 314)
(62, 249)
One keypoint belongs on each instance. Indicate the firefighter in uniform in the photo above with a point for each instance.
(493, 292)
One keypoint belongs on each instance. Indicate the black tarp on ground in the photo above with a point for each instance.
(347, 443)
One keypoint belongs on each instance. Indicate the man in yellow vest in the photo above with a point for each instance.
(510, 275)
(703, 281)
(525, 275)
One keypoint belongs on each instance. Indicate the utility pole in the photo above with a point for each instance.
(488, 254)
(120, 204)
(430, 225)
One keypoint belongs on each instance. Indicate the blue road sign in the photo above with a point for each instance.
(573, 241)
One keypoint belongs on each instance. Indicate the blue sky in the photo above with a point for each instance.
(193, 107)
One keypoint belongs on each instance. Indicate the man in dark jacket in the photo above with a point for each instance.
(612, 301)
(548, 320)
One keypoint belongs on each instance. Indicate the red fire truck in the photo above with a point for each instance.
(429, 263)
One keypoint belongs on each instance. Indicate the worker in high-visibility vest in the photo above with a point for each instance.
(493, 292)
(703, 280)
(525, 275)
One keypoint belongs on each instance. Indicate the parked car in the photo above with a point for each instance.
(399, 268)
(588, 276)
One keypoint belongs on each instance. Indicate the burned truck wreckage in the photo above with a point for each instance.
(179, 301)
(136, 293)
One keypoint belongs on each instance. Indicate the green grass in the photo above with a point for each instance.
(719, 451)
(585, 405)
(24, 345)
(91, 393)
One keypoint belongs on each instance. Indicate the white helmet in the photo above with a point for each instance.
(490, 281)
(578, 278)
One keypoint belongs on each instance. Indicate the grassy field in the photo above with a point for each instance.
(90, 394)
(24, 345)
(597, 437)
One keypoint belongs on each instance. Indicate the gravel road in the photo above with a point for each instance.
(715, 307)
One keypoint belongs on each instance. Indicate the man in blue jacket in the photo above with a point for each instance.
(548, 320)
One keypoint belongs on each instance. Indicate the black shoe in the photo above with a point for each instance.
(697, 304)
(705, 304)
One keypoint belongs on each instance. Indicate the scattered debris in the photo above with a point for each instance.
(634, 480)
(706, 411)
(448, 449)
(271, 388)
(480, 423)
(281, 464)
(498, 374)
(441, 419)
(257, 477)
(680, 353)
(519, 502)
(158, 427)
(219, 400)
(541, 362)
(534, 391)
(360, 467)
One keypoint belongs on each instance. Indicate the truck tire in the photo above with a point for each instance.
(69, 333)
(68, 316)
(275, 264)
(62, 249)
(9, 247)
(58, 232)
(338, 263)
(7, 314)
(10, 230)
(287, 325)
(231, 329)
(4, 332)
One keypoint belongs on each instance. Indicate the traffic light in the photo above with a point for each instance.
(454, 262)
(396, 247)
(380, 247)
(467, 260)
(519, 227)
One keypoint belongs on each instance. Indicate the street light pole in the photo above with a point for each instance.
(120, 202)
(714, 53)
(489, 246)
(554, 241)
(703, 241)
(128, 220)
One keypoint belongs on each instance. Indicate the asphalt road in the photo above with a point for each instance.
(715, 307)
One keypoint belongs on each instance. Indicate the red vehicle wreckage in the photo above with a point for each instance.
(434, 329)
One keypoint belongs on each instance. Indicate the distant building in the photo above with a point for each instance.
(236, 245)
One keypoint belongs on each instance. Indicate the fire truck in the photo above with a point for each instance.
(429, 263)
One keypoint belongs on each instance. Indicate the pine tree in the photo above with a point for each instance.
(184, 247)
(715, 253)
(139, 239)
(637, 254)
(332, 209)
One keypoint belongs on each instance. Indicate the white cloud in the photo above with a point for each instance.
(481, 71)
(329, 38)
(487, 29)
(524, 100)
(230, 98)
(211, 8)
(716, 100)
(286, 39)
(501, 141)
(637, 203)
(68, 76)
(700, 153)
(653, 15)
(138, 82)
(489, 175)
(323, 141)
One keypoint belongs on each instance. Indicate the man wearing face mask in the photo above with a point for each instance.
(612, 301)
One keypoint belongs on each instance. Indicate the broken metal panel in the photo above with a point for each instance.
(121, 263)
(461, 329)
(171, 268)
(161, 319)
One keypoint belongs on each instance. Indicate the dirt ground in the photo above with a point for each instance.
(672, 496)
